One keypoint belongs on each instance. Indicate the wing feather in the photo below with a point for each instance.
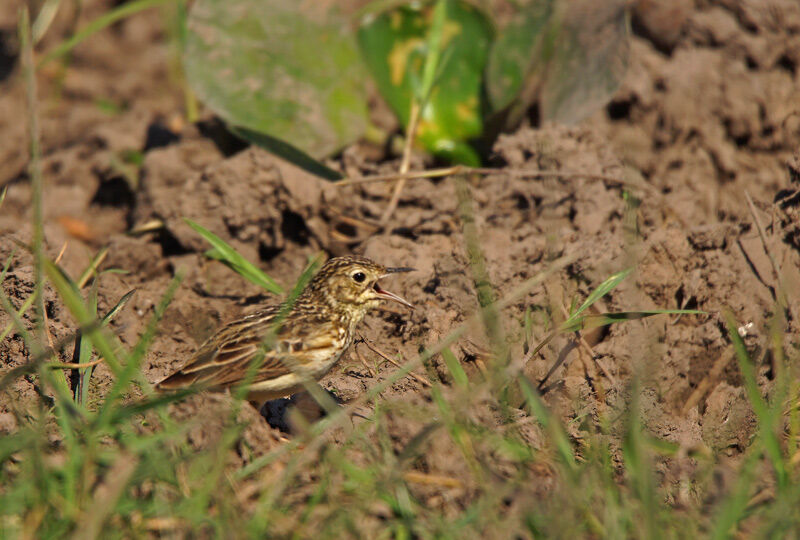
(224, 359)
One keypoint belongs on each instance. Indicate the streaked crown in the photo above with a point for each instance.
(350, 284)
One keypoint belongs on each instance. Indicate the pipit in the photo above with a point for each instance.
(302, 346)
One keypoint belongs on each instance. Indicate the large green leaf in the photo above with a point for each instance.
(569, 55)
(289, 70)
(517, 52)
(395, 47)
(590, 56)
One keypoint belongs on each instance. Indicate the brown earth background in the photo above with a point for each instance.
(706, 117)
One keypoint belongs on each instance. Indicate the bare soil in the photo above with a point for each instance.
(707, 117)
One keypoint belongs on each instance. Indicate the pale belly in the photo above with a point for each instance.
(296, 381)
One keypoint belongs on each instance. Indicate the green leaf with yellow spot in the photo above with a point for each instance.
(394, 45)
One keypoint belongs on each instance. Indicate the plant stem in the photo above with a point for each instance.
(34, 165)
(411, 132)
(419, 100)
(107, 19)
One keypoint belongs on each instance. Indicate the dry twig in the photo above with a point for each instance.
(373, 348)
(411, 132)
(781, 293)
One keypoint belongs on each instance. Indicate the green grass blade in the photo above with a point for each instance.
(85, 350)
(459, 435)
(11, 443)
(126, 375)
(305, 277)
(25, 305)
(558, 436)
(58, 386)
(34, 168)
(590, 322)
(103, 21)
(20, 312)
(577, 322)
(74, 303)
(767, 416)
(105, 500)
(734, 508)
(452, 363)
(527, 329)
(43, 20)
(82, 391)
(638, 466)
(92, 268)
(120, 414)
(225, 253)
(479, 271)
(118, 307)
(603, 289)
(7, 265)
(434, 52)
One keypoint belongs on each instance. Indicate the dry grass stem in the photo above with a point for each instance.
(411, 133)
(781, 292)
(373, 348)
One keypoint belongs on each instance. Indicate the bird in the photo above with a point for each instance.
(301, 340)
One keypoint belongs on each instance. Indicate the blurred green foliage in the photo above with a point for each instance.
(287, 74)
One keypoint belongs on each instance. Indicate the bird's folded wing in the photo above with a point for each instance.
(225, 358)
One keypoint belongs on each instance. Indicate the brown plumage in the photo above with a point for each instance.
(307, 343)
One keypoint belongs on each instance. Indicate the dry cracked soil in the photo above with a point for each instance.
(706, 120)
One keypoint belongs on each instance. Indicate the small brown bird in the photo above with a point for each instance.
(310, 339)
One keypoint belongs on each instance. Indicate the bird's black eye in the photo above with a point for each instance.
(359, 277)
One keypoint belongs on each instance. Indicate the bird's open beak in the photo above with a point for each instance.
(389, 295)
(398, 270)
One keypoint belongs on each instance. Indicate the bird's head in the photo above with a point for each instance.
(350, 284)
